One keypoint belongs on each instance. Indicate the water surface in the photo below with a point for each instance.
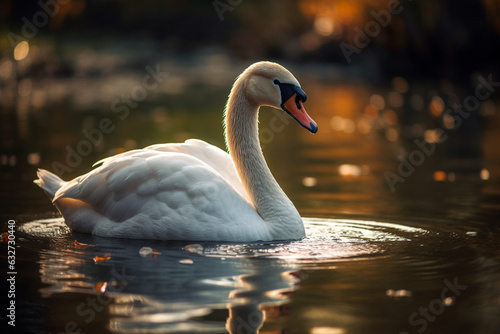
(421, 258)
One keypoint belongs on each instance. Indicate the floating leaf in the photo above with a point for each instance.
(101, 287)
(155, 253)
(80, 245)
(186, 261)
(100, 259)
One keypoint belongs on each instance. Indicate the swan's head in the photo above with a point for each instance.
(270, 84)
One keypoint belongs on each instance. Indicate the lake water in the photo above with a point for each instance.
(416, 254)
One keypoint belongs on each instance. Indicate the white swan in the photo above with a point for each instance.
(193, 190)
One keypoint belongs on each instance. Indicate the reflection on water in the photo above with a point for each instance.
(237, 287)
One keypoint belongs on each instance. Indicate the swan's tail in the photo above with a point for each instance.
(49, 182)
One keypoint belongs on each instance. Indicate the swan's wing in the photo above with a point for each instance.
(213, 156)
(162, 195)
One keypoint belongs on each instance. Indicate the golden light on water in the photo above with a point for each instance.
(349, 170)
(391, 134)
(448, 121)
(324, 26)
(398, 293)
(353, 170)
(21, 50)
(390, 117)
(371, 111)
(34, 158)
(437, 106)
(431, 136)
(309, 181)
(439, 175)
(364, 126)
(342, 124)
(377, 101)
(326, 330)
(484, 174)
(451, 177)
(448, 301)
(6, 160)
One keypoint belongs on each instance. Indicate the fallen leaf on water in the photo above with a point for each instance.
(80, 245)
(186, 261)
(101, 287)
(99, 259)
(155, 253)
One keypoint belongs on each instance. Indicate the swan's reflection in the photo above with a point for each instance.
(214, 294)
(234, 288)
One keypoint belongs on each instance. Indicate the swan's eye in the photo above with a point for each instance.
(276, 82)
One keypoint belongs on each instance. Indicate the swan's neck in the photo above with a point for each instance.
(242, 139)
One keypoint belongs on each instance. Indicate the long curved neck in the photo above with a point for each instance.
(242, 139)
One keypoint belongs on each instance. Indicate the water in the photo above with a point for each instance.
(347, 276)
(420, 259)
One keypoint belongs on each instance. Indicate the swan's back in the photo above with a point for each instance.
(160, 192)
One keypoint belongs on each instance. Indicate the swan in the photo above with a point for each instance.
(193, 190)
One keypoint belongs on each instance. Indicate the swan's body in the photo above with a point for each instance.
(193, 190)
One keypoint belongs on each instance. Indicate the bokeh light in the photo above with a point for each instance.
(377, 101)
(324, 26)
(21, 50)
(436, 106)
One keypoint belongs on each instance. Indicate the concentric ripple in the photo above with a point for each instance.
(327, 240)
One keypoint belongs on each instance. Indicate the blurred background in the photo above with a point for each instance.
(404, 93)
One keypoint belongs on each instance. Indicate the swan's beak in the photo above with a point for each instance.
(295, 108)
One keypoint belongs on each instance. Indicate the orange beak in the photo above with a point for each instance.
(295, 108)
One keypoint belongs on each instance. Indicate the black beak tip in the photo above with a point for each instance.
(313, 128)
